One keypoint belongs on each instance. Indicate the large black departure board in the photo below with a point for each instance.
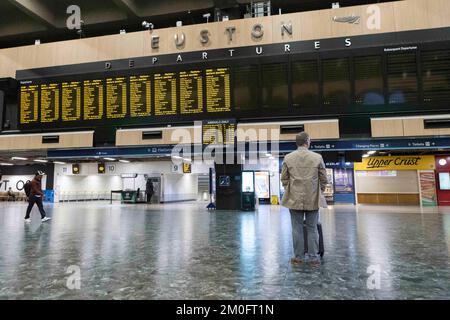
(93, 99)
(140, 96)
(191, 92)
(29, 104)
(165, 94)
(116, 98)
(71, 101)
(49, 102)
(218, 97)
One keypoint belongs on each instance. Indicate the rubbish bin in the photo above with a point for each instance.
(248, 201)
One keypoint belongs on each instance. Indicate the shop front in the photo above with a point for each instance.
(341, 187)
(396, 180)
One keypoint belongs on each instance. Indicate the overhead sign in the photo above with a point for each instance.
(187, 167)
(396, 163)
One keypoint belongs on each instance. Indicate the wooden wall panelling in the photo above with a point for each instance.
(34, 141)
(323, 130)
(313, 25)
(409, 199)
(387, 128)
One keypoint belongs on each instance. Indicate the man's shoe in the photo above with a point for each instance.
(315, 263)
(28, 220)
(296, 261)
(45, 219)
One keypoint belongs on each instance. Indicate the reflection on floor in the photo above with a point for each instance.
(182, 251)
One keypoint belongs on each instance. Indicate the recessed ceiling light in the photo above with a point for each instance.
(371, 152)
(109, 159)
(40, 160)
(124, 161)
(59, 162)
(19, 158)
(6, 164)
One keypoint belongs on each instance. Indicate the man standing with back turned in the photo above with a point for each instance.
(36, 196)
(304, 178)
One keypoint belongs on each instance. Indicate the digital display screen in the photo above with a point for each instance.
(49, 102)
(93, 99)
(262, 184)
(29, 104)
(116, 98)
(246, 87)
(218, 98)
(305, 84)
(165, 94)
(71, 101)
(444, 180)
(248, 184)
(275, 86)
(191, 92)
(140, 96)
(336, 82)
(220, 132)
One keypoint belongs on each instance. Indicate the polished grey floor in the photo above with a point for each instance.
(182, 251)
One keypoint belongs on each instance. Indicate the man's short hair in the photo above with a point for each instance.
(302, 138)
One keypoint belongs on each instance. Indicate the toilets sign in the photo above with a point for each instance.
(396, 163)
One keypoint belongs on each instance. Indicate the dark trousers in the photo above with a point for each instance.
(149, 197)
(38, 201)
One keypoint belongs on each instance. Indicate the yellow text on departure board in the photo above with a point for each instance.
(29, 104)
(93, 99)
(49, 102)
(218, 97)
(165, 94)
(140, 96)
(71, 101)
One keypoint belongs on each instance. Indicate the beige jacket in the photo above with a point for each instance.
(304, 179)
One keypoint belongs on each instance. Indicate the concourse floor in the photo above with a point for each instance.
(183, 251)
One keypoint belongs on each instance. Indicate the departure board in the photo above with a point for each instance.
(140, 96)
(218, 90)
(71, 101)
(191, 92)
(275, 89)
(246, 87)
(29, 104)
(165, 94)
(116, 98)
(219, 132)
(49, 102)
(93, 99)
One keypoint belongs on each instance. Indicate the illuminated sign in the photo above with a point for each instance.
(187, 168)
(397, 163)
(75, 169)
